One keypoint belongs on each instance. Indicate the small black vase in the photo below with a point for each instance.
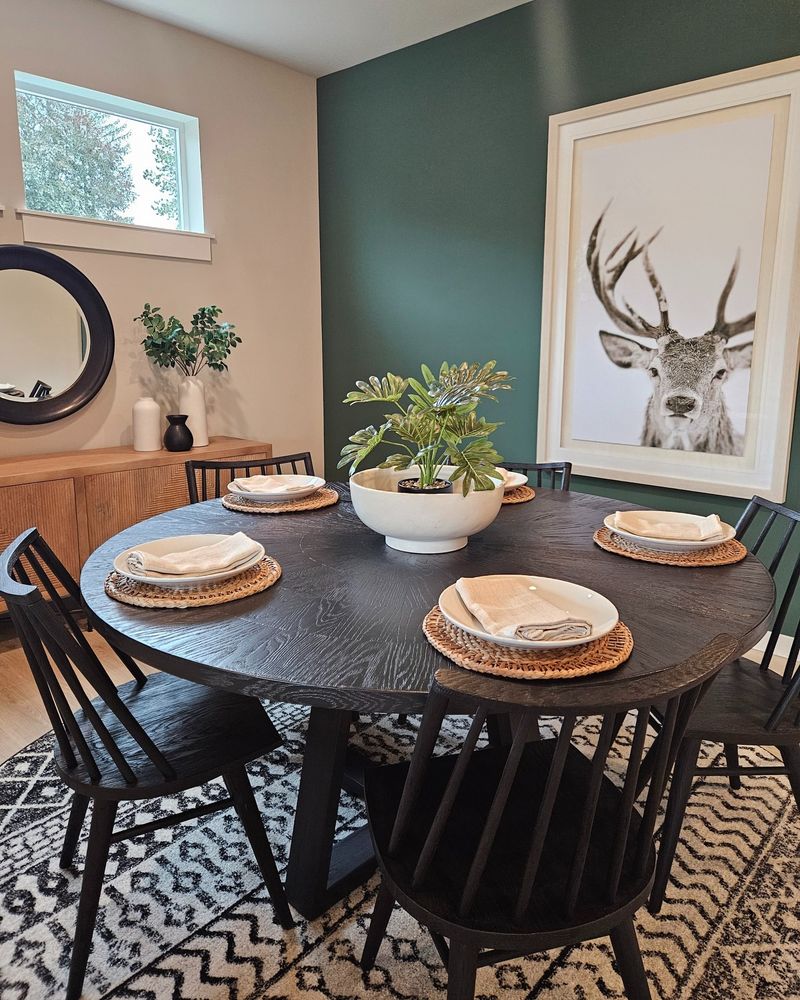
(178, 437)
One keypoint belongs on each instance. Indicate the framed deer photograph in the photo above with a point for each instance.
(670, 322)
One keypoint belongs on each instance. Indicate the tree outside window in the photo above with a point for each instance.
(86, 162)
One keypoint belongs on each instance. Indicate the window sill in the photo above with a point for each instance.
(113, 237)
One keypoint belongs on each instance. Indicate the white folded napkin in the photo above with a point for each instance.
(230, 552)
(269, 484)
(669, 525)
(510, 607)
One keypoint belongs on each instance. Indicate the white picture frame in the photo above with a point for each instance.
(590, 409)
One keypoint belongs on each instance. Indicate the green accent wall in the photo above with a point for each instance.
(432, 189)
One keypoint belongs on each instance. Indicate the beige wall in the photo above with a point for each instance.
(259, 162)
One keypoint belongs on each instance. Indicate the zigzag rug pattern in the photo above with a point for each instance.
(184, 915)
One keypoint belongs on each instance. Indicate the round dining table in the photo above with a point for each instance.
(341, 632)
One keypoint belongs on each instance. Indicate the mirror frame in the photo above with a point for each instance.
(99, 326)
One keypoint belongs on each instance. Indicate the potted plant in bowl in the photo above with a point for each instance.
(443, 444)
(205, 344)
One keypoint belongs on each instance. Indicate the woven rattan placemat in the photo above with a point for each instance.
(522, 494)
(323, 497)
(720, 555)
(527, 664)
(150, 595)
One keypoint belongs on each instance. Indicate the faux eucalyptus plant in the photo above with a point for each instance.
(206, 343)
(436, 425)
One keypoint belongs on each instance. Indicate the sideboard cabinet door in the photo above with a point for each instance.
(50, 507)
(116, 500)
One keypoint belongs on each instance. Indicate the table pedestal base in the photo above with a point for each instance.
(320, 871)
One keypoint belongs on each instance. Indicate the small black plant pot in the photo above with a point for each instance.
(412, 486)
(177, 436)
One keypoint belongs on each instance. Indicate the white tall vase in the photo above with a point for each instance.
(147, 430)
(193, 404)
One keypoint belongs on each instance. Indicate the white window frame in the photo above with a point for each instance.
(102, 234)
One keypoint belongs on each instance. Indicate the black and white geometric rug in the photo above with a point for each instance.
(184, 916)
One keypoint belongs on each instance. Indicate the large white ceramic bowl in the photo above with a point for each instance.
(425, 522)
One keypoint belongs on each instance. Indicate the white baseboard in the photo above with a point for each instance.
(782, 647)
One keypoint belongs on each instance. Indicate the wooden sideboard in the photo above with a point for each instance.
(78, 499)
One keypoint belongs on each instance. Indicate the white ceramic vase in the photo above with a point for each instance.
(146, 425)
(427, 522)
(193, 404)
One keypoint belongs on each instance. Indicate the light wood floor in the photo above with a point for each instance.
(22, 715)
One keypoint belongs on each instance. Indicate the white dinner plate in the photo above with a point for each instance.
(671, 544)
(181, 543)
(576, 601)
(511, 480)
(304, 485)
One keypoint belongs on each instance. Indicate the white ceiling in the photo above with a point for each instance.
(319, 36)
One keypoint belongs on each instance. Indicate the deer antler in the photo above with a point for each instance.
(721, 326)
(604, 284)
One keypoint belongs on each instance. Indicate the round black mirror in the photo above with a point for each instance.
(56, 337)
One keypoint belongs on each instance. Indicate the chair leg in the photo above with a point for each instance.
(241, 792)
(676, 808)
(102, 826)
(499, 729)
(732, 759)
(791, 758)
(77, 813)
(381, 912)
(629, 961)
(462, 967)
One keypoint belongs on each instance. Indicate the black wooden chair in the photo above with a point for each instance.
(107, 750)
(749, 704)
(545, 475)
(198, 472)
(506, 851)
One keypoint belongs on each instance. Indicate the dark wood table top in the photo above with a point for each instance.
(342, 628)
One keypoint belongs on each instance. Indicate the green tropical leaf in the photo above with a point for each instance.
(389, 389)
(461, 426)
(412, 426)
(475, 463)
(400, 460)
(361, 444)
(465, 383)
(435, 423)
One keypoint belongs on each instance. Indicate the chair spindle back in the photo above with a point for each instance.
(767, 529)
(544, 475)
(62, 661)
(198, 472)
(601, 851)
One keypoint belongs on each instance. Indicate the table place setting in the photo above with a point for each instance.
(278, 494)
(187, 571)
(527, 627)
(670, 538)
(515, 487)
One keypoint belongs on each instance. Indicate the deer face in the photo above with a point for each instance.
(686, 374)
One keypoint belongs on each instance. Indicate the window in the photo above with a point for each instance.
(96, 156)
